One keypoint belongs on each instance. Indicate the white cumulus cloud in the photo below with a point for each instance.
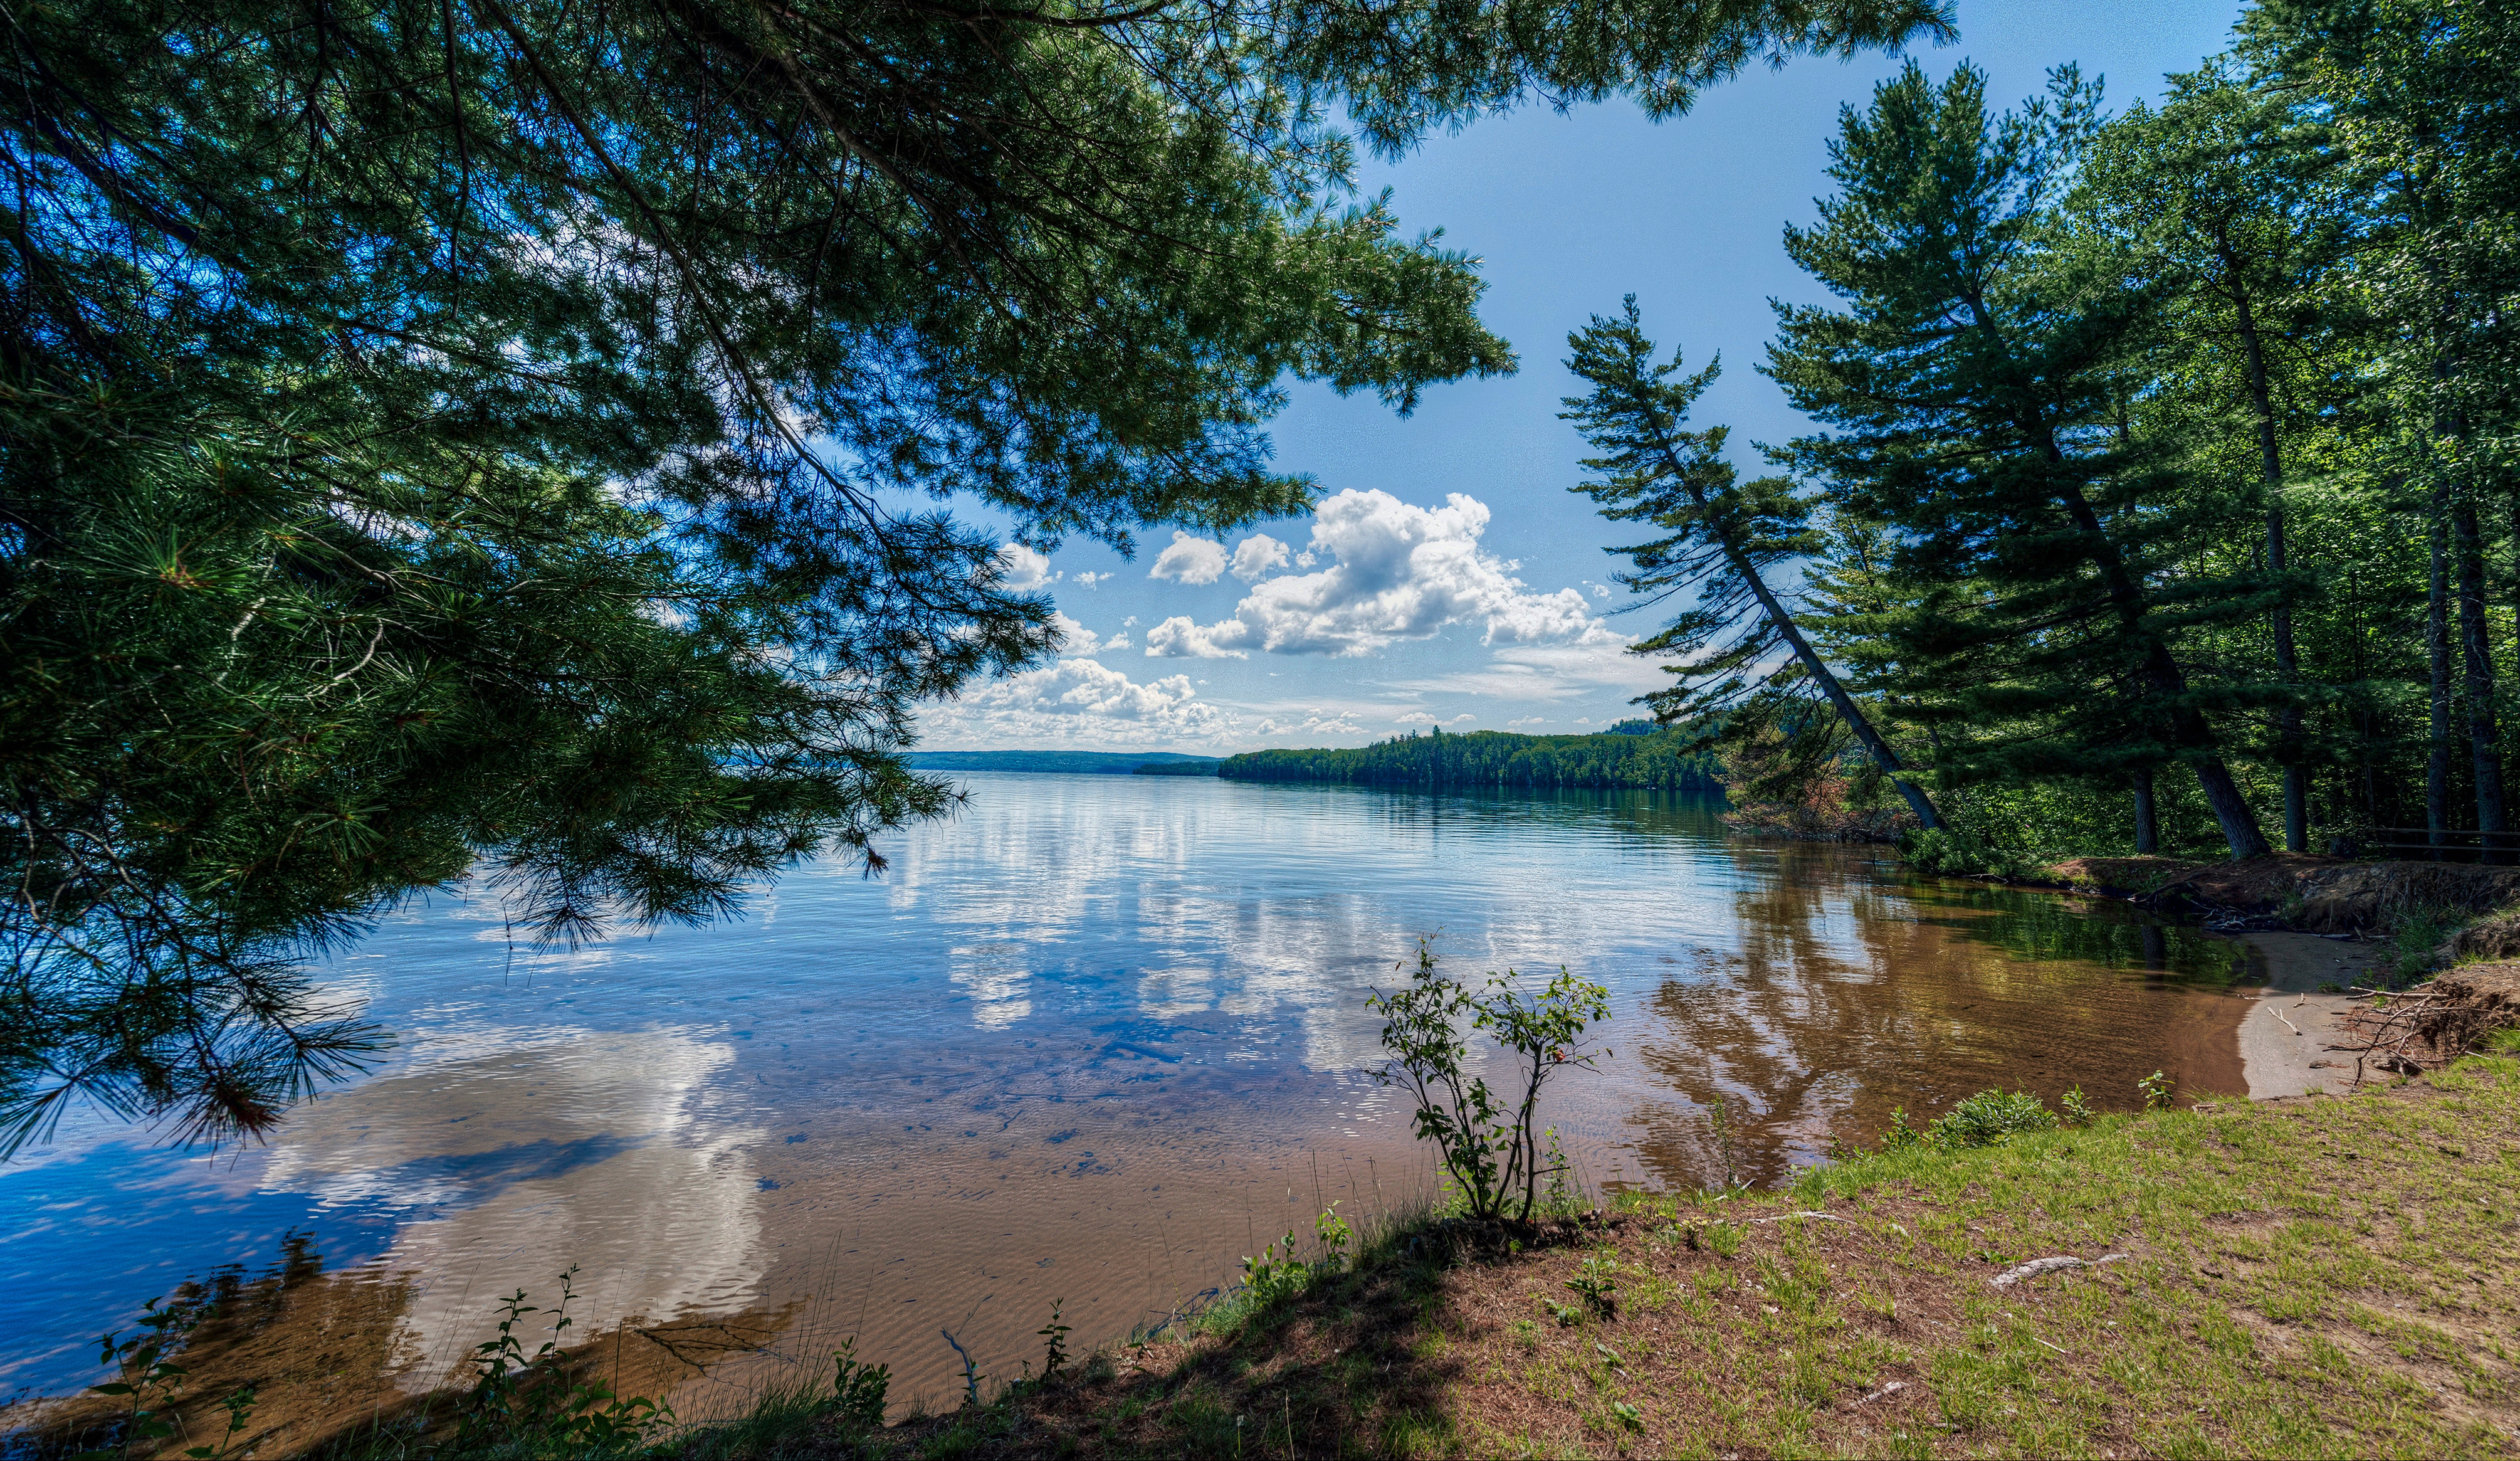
(1178, 638)
(1256, 555)
(1024, 568)
(1316, 724)
(1190, 560)
(1074, 637)
(1078, 701)
(1399, 572)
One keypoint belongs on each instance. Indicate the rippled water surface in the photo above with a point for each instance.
(1092, 1040)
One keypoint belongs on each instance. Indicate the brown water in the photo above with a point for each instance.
(1092, 1041)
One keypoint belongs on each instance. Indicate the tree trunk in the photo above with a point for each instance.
(2147, 818)
(1881, 750)
(2483, 745)
(1883, 756)
(2296, 776)
(2188, 726)
(2189, 729)
(2436, 652)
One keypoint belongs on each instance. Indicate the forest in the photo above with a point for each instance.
(2162, 496)
(1632, 754)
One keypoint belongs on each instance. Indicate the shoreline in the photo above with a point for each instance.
(2316, 1276)
(2298, 1011)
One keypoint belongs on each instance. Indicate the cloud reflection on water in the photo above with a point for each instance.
(514, 1161)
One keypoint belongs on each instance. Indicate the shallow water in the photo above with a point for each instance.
(1094, 1039)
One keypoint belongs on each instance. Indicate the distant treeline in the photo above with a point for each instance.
(1630, 755)
(1072, 762)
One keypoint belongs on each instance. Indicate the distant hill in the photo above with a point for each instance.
(1074, 762)
(1621, 756)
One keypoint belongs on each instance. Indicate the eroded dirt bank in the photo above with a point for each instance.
(2304, 892)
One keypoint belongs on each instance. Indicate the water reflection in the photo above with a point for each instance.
(1852, 989)
(1092, 1040)
(508, 1164)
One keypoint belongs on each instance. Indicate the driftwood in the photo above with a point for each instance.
(2037, 1266)
(2435, 1024)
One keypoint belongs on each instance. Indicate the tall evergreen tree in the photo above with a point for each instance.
(1970, 377)
(1721, 536)
(2219, 200)
(455, 437)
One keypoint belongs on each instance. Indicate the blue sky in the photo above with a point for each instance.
(1450, 577)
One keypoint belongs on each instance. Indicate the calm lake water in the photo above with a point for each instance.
(1094, 1039)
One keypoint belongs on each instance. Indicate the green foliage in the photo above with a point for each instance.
(536, 1406)
(2073, 1108)
(2157, 1090)
(1956, 851)
(858, 1390)
(1974, 377)
(1671, 760)
(448, 441)
(1984, 1119)
(1333, 1234)
(1490, 1150)
(1989, 1116)
(1054, 1338)
(1595, 1282)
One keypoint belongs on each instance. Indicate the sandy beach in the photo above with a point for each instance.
(2285, 1037)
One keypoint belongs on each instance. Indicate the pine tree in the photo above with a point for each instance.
(2426, 118)
(2221, 202)
(1972, 377)
(1721, 537)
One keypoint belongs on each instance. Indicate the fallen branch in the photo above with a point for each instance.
(1892, 1388)
(2037, 1266)
(1781, 1217)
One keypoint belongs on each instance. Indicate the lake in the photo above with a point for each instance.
(1091, 1040)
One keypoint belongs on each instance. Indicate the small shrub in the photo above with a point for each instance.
(1595, 1283)
(2077, 1111)
(1489, 1151)
(1953, 852)
(1054, 1335)
(1269, 1278)
(2158, 1091)
(1989, 1116)
(1334, 1235)
(529, 1405)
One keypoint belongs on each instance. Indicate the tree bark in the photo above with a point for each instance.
(2483, 743)
(2296, 776)
(1879, 749)
(2437, 653)
(2147, 817)
(1856, 721)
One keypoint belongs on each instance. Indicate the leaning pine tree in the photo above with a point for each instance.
(1973, 378)
(1736, 640)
